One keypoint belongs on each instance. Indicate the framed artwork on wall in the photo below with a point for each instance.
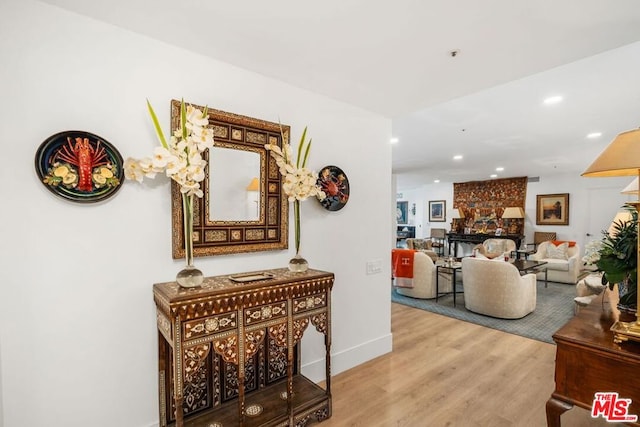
(552, 209)
(402, 209)
(437, 210)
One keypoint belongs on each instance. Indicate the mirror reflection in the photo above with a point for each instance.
(231, 177)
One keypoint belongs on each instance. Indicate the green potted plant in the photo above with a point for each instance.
(618, 260)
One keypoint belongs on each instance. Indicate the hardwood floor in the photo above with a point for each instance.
(446, 372)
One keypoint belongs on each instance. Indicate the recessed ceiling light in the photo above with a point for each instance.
(493, 175)
(394, 140)
(594, 135)
(553, 100)
(436, 181)
(499, 169)
(457, 157)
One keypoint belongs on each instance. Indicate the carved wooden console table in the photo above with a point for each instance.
(229, 353)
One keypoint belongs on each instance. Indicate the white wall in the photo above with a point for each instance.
(582, 209)
(77, 324)
(589, 199)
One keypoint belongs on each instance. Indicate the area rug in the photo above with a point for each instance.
(554, 308)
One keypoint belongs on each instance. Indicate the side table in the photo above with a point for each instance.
(524, 253)
(448, 269)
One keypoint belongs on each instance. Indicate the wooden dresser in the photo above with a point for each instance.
(229, 352)
(588, 361)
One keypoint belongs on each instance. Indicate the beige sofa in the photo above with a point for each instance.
(424, 279)
(496, 288)
(563, 269)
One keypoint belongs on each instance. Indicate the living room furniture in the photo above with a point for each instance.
(558, 269)
(424, 246)
(588, 361)
(424, 278)
(451, 271)
(492, 248)
(541, 236)
(528, 266)
(497, 289)
(474, 238)
(229, 351)
(403, 233)
(524, 253)
(438, 237)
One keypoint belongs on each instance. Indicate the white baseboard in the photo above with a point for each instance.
(344, 360)
(349, 358)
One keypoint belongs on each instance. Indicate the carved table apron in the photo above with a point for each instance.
(217, 340)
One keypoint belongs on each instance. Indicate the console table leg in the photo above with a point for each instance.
(555, 408)
(179, 412)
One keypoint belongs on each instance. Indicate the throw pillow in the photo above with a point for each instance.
(559, 242)
(558, 252)
(421, 244)
(499, 257)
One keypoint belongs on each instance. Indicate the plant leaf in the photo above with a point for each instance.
(300, 144)
(183, 119)
(156, 124)
(306, 154)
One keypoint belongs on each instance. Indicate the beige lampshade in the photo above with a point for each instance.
(620, 158)
(456, 214)
(621, 216)
(254, 185)
(513, 212)
(632, 188)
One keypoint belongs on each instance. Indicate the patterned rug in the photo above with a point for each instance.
(554, 308)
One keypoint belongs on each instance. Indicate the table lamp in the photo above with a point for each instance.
(254, 185)
(621, 158)
(632, 188)
(512, 213)
(456, 215)
(621, 217)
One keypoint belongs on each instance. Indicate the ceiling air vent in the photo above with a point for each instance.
(533, 179)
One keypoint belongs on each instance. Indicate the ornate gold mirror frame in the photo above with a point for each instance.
(269, 230)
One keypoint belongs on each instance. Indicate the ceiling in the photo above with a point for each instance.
(394, 58)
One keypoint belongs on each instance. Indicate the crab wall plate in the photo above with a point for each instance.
(79, 166)
(335, 184)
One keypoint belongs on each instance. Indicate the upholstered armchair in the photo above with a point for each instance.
(562, 258)
(424, 279)
(422, 245)
(496, 288)
(492, 248)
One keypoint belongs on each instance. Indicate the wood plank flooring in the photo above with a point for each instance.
(446, 372)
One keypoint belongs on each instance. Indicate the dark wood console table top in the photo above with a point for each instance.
(456, 238)
(588, 361)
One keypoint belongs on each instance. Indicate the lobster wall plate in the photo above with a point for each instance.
(79, 166)
(335, 184)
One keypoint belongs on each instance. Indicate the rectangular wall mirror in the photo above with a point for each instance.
(243, 208)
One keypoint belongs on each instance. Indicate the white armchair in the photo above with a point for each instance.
(562, 265)
(424, 279)
(497, 289)
(492, 248)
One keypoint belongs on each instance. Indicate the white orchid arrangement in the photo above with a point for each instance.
(180, 157)
(299, 183)
(592, 252)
